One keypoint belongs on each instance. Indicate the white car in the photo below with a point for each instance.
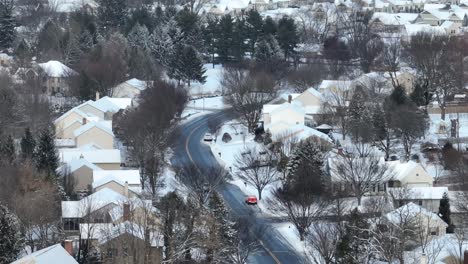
(208, 137)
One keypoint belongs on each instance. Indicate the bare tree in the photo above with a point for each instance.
(456, 249)
(247, 93)
(305, 77)
(202, 182)
(391, 57)
(360, 173)
(257, 167)
(148, 129)
(324, 239)
(335, 105)
(245, 242)
(316, 25)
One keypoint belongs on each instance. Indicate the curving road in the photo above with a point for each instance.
(190, 149)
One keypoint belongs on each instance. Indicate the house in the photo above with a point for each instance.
(125, 182)
(310, 100)
(67, 123)
(331, 89)
(288, 113)
(426, 197)
(104, 108)
(94, 208)
(55, 254)
(281, 131)
(417, 219)
(129, 89)
(392, 22)
(106, 159)
(98, 133)
(123, 243)
(413, 29)
(81, 171)
(55, 78)
(408, 174)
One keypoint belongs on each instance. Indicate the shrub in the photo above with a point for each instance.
(226, 138)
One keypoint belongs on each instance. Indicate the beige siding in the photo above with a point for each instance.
(83, 178)
(113, 186)
(418, 177)
(68, 132)
(70, 118)
(97, 136)
(108, 166)
(92, 110)
(125, 91)
(308, 99)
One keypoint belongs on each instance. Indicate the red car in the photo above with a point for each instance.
(251, 199)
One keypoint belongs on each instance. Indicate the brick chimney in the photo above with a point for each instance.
(340, 151)
(68, 246)
(126, 212)
(289, 98)
(97, 96)
(465, 257)
(84, 121)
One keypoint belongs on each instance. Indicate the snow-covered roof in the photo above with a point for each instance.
(410, 211)
(55, 254)
(93, 156)
(76, 164)
(284, 97)
(314, 92)
(132, 177)
(67, 6)
(78, 112)
(56, 69)
(91, 203)
(326, 84)
(419, 193)
(324, 126)
(113, 104)
(105, 232)
(400, 170)
(139, 84)
(100, 125)
(395, 19)
(413, 29)
(64, 143)
(301, 132)
(271, 109)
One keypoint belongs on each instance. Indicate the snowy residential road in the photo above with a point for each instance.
(190, 149)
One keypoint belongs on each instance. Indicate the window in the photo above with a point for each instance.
(125, 252)
(420, 203)
(112, 252)
(434, 231)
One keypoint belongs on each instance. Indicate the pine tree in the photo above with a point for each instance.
(224, 38)
(46, 158)
(444, 210)
(287, 36)
(269, 27)
(360, 116)
(209, 36)
(221, 214)
(7, 150)
(192, 65)
(267, 50)
(112, 13)
(254, 25)
(352, 242)
(139, 37)
(7, 24)
(11, 242)
(28, 145)
(238, 45)
(419, 95)
(398, 96)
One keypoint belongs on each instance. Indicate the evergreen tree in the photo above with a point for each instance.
(111, 13)
(7, 150)
(7, 24)
(141, 16)
(465, 21)
(209, 37)
(287, 35)
(398, 96)
(269, 27)
(139, 37)
(238, 46)
(352, 242)
(28, 145)
(224, 38)
(419, 95)
(187, 65)
(360, 116)
(188, 23)
(221, 214)
(254, 25)
(444, 211)
(267, 50)
(11, 242)
(47, 159)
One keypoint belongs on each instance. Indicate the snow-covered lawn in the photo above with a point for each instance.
(212, 86)
(207, 103)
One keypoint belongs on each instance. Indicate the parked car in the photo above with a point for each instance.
(251, 199)
(208, 137)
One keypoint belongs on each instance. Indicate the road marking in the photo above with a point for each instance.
(191, 160)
